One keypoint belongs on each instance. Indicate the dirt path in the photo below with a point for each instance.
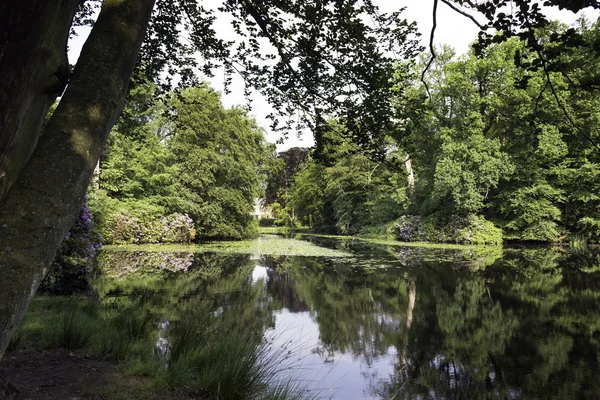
(50, 375)
(57, 375)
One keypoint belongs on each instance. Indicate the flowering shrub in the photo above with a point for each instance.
(151, 230)
(471, 229)
(410, 229)
(126, 228)
(177, 228)
(74, 259)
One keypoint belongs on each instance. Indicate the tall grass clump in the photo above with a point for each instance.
(212, 354)
(126, 334)
(74, 333)
(58, 323)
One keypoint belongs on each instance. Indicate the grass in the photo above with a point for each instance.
(210, 356)
(74, 333)
(57, 323)
(214, 354)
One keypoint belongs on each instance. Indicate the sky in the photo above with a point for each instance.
(452, 29)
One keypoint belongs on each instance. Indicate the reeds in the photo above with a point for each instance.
(209, 353)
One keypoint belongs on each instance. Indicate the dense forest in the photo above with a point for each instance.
(184, 162)
(489, 150)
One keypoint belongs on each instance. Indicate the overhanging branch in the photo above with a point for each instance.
(431, 48)
(466, 14)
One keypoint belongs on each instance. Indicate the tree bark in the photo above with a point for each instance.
(35, 69)
(410, 173)
(41, 206)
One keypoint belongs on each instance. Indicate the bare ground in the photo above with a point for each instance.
(57, 375)
(49, 375)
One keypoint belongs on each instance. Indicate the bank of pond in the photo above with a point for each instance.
(333, 318)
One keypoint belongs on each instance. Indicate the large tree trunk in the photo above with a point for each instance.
(35, 69)
(41, 206)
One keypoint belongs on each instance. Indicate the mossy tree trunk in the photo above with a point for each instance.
(42, 204)
(35, 69)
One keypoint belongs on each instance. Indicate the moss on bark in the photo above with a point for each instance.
(37, 212)
(35, 69)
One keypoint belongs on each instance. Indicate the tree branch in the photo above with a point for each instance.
(559, 103)
(431, 48)
(458, 10)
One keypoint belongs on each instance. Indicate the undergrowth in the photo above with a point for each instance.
(206, 354)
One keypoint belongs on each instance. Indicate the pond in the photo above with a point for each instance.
(349, 319)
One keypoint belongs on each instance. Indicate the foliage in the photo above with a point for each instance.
(282, 174)
(300, 56)
(219, 155)
(124, 225)
(73, 262)
(343, 191)
(185, 156)
(485, 143)
(266, 222)
(464, 230)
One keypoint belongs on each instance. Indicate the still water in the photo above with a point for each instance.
(391, 322)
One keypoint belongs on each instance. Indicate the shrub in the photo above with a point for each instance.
(126, 228)
(410, 229)
(471, 229)
(68, 271)
(177, 228)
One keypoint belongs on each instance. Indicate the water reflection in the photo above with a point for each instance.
(392, 322)
(162, 348)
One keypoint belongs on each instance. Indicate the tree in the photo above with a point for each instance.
(218, 155)
(137, 164)
(326, 61)
(344, 191)
(491, 138)
(324, 45)
(281, 176)
(40, 206)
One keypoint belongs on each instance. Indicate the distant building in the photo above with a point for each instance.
(260, 210)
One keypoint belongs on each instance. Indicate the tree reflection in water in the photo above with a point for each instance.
(411, 322)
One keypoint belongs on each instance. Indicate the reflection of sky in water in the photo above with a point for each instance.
(329, 376)
(448, 307)
(162, 348)
(259, 273)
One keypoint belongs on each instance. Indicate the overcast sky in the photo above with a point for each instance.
(452, 28)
